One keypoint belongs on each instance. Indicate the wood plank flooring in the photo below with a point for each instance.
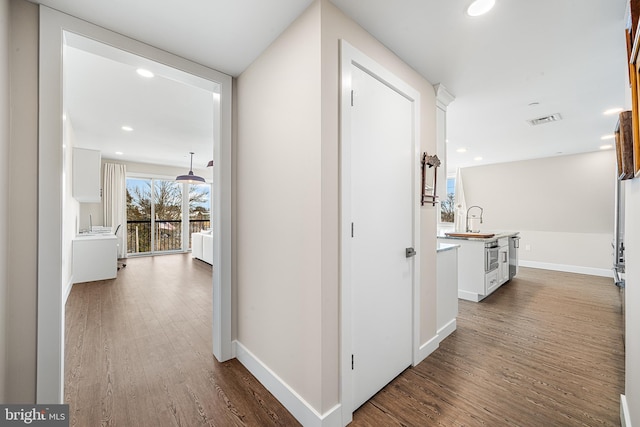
(544, 350)
(139, 353)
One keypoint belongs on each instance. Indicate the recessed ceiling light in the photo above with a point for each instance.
(477, 159)
(144, 73)
(127, 128)
(606, 147)
(480, 7)
(119, 153)
(611, 111)
(461, 150)
(605, 137)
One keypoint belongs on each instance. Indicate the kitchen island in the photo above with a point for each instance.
(447, 288)
(486, 261)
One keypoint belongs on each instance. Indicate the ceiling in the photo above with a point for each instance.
(157, 120)
(524, 59)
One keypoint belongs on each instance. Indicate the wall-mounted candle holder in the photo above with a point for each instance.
(429, 192)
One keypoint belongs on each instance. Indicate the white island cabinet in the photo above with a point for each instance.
(477, 280)
(503, 260)
(447, 289)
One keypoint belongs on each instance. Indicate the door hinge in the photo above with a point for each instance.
(352, 362)
(351, 229)
(352, 98)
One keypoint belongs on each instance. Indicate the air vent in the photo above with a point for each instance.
(546, 119)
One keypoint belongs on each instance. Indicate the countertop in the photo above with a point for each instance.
(92, 236)
(446, 247)
(498, 235)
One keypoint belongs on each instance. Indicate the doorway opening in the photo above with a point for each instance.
(60, 220)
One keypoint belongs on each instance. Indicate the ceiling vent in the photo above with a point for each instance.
(546, 119)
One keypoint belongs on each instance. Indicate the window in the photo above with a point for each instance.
(155, 212)
(447, 206)
(199, 208)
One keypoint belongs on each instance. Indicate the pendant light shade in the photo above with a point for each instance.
(190, 177)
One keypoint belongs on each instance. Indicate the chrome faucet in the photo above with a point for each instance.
(469, 230)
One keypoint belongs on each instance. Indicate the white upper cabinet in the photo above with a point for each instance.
(86, 175)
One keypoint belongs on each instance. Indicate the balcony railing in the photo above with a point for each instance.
(167, 234)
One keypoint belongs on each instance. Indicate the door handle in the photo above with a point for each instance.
(409, 252)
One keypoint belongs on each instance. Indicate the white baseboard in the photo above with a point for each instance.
(446, 330)
(602, 272)
(291, 400)
(625, 417)
(67, 291)
(468, 296)
(427, 348)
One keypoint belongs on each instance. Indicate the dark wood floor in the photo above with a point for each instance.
(544, 350)
(138, 352)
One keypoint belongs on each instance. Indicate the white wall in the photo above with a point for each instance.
(335, 26)
(288, 202)
(22, 235)
(4, 193)
(278, 207)
(632, 295)
(563, 207)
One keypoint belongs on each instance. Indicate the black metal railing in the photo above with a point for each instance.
(197, 225)
(167, 234)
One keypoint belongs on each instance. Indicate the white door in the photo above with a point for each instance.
(382, 174)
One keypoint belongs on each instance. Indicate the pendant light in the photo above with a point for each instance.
(190, 177)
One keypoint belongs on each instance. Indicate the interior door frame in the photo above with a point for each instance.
(352, 57)
(51, 300)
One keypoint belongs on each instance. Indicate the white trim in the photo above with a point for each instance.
(443, 96)
(67, 291)
(50, 334)
(290, 399)
(427, 348)
(350, 56)
(625, 416)
(602, 272)
(469, 296)
(447, 330)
